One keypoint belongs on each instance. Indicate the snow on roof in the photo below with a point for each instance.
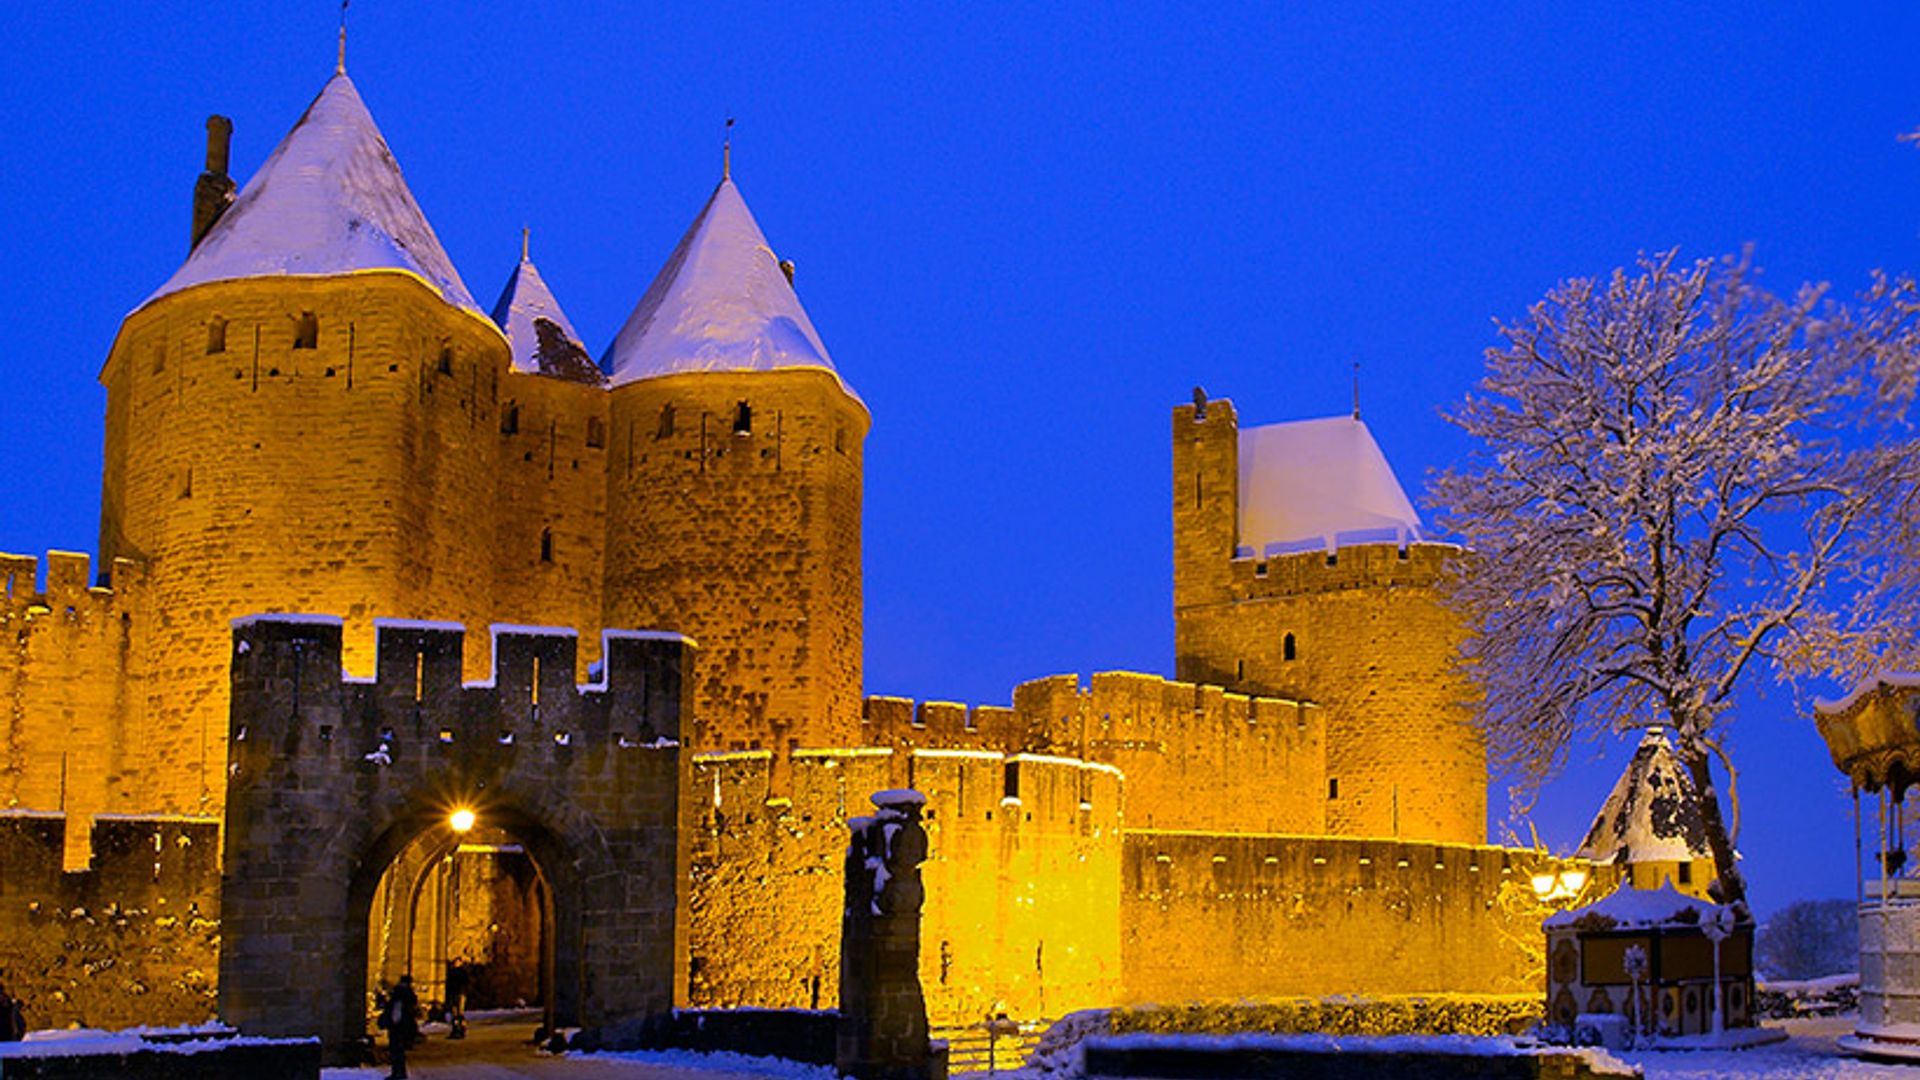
(329, 200)
(1318, 484)
(1890, 679)
(721, 303)
(1653, 813)
(1631, 908)
(540, 337)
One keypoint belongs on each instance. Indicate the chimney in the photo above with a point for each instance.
(213, 192)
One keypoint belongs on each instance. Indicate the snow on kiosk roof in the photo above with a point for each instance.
(1653, 813)
(721, 303)
(329, 200)
(1313, 484)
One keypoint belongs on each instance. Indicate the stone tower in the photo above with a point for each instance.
(734, 488)
(1299, 572)
(294, 423)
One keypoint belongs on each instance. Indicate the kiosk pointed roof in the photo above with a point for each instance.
(1653, 813)
(541, 339)
(721, 303)
(329, 200)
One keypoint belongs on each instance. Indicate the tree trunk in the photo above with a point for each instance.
(1731, 886)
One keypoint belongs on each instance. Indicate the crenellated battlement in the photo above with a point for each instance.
(70, 588)
(289, 692)
(1350, 566)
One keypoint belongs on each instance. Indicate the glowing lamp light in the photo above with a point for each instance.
(460, 820)
(1543, 885)
(1563, 885)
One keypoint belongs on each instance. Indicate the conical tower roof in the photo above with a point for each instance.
(1653, 814)
(1310, 484)
(721, 303)
(540, 337)
(329, 200)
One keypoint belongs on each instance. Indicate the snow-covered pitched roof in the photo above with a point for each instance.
(329, 200)
(540, 337)
(1318, 483)
(1633, 908)
(1653, 814)
(721, 303)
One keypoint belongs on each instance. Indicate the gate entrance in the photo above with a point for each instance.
(342, 867)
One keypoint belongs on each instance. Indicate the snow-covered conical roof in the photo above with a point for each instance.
(540, 338)
(1318, 483)
(721, 303)
(1653, 814)
(329, 200)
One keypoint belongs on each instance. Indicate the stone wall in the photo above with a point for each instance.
(1194, 757)
(1217, 917)
(69, 692)
(1022, 910)
(1361, 630)
(131, 939)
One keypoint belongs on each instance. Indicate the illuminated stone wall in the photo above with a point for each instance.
(70, 700)
(1371, 642)
(1022, 910)
(1194, 757)
(747, 541)
(133, 938)
(1216, 917)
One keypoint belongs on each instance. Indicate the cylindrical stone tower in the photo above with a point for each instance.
(734, 488)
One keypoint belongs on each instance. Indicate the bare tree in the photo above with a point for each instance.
(1680, 478)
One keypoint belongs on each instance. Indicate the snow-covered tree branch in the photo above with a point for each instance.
(1682, 478)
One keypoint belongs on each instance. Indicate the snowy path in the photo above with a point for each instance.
(1808, 1054)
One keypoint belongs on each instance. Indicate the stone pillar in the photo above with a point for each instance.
(883, 1016)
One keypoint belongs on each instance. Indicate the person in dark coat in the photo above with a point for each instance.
(13, 1017)
(458, 976)
(402, 1018)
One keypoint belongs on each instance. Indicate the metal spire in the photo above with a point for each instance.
(726, 153)
(1356, 389)
(526, 243)
(340, 65)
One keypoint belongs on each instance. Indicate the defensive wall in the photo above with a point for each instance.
(1194, 757)
(1022, 879)
(71, 698)
(1361, 629)
(1228, 917)
(131, 938)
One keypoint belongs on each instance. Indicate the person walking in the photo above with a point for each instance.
(13, 1017)
(458, 976)
(402, 1018)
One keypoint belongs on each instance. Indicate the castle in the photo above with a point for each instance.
(313, 415)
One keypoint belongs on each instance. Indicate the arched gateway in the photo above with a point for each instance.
(331, 779)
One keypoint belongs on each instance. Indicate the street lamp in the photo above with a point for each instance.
(461, 820)
(1564, 884)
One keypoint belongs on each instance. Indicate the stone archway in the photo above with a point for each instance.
(330, 778)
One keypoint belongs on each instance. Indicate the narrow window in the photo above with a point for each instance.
(596, 432)
(1288, 650)
(510, 418)
(446, 359)
(1240, 670)
(546, 545)
(1010, 780)
(840, 440)
(216, 335)
(1333, 787)
(307, 334)
(159, 359)
(743, 419)
(665, 430)
(1686, 873)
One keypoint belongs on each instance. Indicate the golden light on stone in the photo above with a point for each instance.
(461, 820)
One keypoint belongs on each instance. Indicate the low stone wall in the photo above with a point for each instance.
(133, 939)
(252, 1059)
(1212, 1059)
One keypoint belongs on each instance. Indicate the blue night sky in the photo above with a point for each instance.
(1025, 233)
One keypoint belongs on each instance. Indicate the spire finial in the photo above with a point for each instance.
(1356, 389)
(726, 152)
(526, 243)
(340, 65)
